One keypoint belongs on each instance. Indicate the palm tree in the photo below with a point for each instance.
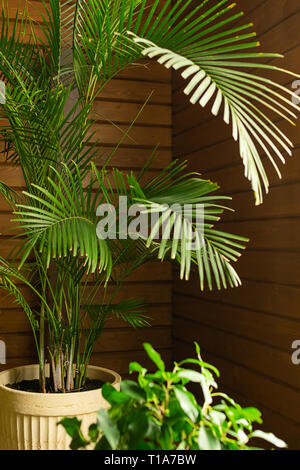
(75, 274)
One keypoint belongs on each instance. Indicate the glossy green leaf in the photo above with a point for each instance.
(187, 405)
(154, 356)
(207, 441)
(270, 437)
(133, 390)
(109, 428)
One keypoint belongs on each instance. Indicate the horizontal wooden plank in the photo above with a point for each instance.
(126, 340)
(137, 91)
(142, 136)
(13, 176)
(281, 202)
(152, 292)
(128, 157)
(150, 272)
(218, 154)
(5, 208)
(270, 13)
(154, 271)
(284, 17)
(275, 234)
(210, 132)
(266, 297)
(35, 7)
(267, 329)
(120, 362)
(19, 345)
(273, 266)
(188, 116)
(111, 340)
(27, 36)
(120, 112)
(255, 357)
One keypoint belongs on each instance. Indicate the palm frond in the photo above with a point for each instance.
(184, 213)
(184, 230)
(9, 194)
(20, 62)
(131, 311)
(99, 50)
(216, 76)
(214, 58)
(63, 221)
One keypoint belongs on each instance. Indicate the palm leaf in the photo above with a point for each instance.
(9, 194)
(212, 55)
(131, 311)
(61, 222)
(212, 77)
(174, 196)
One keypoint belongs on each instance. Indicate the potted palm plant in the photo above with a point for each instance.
(74, 259)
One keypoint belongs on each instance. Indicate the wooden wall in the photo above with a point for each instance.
(119, 102)
(248, 332)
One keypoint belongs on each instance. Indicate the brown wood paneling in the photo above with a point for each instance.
(248, 332)
(267, 329)
(265, 297)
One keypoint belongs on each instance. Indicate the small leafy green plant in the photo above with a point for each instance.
(158, 412)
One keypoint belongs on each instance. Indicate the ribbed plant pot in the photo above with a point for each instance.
(28, 421)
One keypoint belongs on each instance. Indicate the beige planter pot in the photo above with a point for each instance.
(28, 421)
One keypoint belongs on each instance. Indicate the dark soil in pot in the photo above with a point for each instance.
(34, 386)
